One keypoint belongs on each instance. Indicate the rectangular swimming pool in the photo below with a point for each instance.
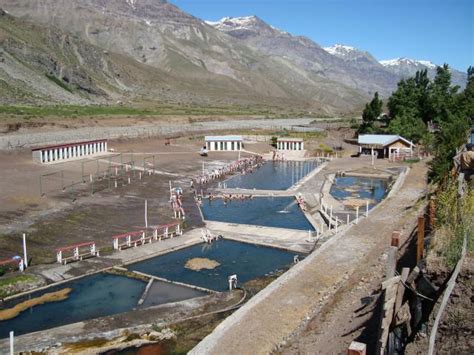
(273, 175)
(280, 212)
(248, 261)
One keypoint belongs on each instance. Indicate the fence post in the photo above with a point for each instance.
(420, 240)
(41, 185)
(12, 340)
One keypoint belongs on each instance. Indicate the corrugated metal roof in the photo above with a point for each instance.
(223, 138)
(381, 139)
(287, 139)
(65, 145)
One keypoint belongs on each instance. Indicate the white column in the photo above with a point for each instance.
(229, 145)
(44, 156)
(105, 146)
(50, 154)
(55, 152)
(61, 154)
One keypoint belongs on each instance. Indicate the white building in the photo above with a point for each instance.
(65, 152)
(223, 143)
(385, 145)
(290, 144)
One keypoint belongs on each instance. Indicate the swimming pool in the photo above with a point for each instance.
(273, 175)
(91, 297)
(351, 187)
(248, 261)
(280, 212)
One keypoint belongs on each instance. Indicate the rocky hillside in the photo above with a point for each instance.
(203, 65)
(302, 54)
(149, 50)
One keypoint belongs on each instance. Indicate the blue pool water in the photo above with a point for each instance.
(248, 261)
(91, 297)
(360, 188)
(281, 212)
(273, 175)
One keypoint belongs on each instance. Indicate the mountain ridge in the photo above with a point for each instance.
(160, 53)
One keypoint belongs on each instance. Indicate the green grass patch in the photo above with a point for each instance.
(119, 110)
(16, 279)
(58, 82)
(6, 283)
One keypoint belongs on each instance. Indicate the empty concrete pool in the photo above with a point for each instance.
(227, 257)
(280, 212)
(273, 175)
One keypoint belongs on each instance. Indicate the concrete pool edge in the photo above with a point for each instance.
(253, 239)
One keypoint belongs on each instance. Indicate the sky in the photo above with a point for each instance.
(440, 31)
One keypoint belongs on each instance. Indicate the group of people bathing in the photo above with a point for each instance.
(243, 166)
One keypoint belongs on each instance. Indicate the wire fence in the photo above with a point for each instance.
(98, 174)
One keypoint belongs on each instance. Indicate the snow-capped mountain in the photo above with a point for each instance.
(340, 50)
(407, 62)
(349, 53)
(360, 71)
(244, 26)
(406, 67)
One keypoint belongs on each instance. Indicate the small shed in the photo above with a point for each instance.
(290, 143)
(70, 151)
(224, 143)
(385, 145)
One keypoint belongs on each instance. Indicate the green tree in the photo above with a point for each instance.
(451, 136)
(371, 112)
(466, 99)
(408, 124)
(412, 94)
(442, 95)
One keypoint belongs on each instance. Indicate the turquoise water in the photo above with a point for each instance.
(281, 212)
(273, 175)
(248, 261)
(360, 188)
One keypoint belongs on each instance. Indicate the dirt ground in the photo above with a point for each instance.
(66, 217)
(455, 331)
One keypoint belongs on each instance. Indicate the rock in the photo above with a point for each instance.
(2, 12)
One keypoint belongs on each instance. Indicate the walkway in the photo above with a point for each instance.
(271, 317)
